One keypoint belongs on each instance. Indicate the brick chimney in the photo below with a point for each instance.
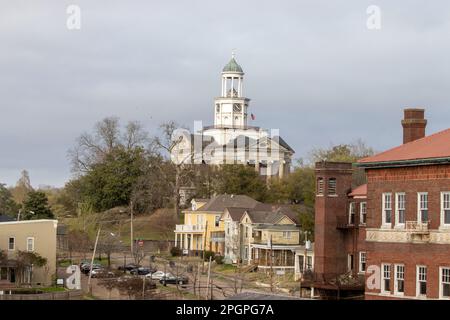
(414, 124)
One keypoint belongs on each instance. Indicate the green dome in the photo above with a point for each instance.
(232, 66)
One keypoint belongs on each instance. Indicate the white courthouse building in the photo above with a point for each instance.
(230, 140)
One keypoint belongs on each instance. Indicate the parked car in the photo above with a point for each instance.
(102, 273)
(129, 267)
(158, 275)
(174, 280)
(86, 268)
(143, 271)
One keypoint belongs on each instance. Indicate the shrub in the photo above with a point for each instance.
(219, 259)
(209, 254)
(175, 252)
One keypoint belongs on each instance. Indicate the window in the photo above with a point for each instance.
(217, 221)
(351, 213)
(445, 208)
(400, 205)
(245, 252)
(11, 243)
(421, 286)
(3, 273)
(246, 232)
(30, 244)
(286, 234)
(387, 208)
(399, 287)
(320, 186)
(386, 278)
(445, 283)
(362, 262)
(332, 186)
(308, 263)
(363, 212)
(422, 198)
(350, 262)
(217, 107)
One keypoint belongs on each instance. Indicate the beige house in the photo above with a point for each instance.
(38, 236)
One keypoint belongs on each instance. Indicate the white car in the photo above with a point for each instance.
(158, 275)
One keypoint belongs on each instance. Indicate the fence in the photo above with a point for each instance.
(63, 295)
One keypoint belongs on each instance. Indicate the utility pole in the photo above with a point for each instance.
(204, 245)
(271, 262)
(92, 260)
(207, 282)
(131, 228)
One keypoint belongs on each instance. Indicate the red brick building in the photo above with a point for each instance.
(395, 230)
(340, 218)
(408, 215)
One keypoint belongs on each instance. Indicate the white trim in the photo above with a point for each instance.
(418, 295)
(440, 284)
(383, 212)
(351, 206)
(360, 262)
(443, 224)
(360, 213)
(419, 211)
(383, 289)
(28, 221)
(396, 292)
(397, 216)
(14, 247)
(32, 249)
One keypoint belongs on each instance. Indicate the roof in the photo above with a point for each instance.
(432, 148)
(232, 66)
(236, 213)
(283, 227)
(266, 217)
(219, 203)
(200, 200)
(359, 191)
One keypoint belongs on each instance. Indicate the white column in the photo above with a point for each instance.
(232, 86)
(281, 169)
(176, 238)
(192, 241)
(241, 79)
(185, 241)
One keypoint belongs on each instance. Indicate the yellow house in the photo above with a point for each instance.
(203, 227)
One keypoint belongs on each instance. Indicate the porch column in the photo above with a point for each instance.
(185, 241)
(176, 239)
(192, 241)
(249, 255)
(281, 169)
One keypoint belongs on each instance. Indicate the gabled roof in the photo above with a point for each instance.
(430, 149)
(236, 213)
(266, 217)
(219, 203)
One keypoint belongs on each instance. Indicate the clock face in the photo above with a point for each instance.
(237, 107)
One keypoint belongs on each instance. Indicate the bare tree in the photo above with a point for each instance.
(181, 170)
(92, 148)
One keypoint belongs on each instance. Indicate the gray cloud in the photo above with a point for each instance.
(313, 70)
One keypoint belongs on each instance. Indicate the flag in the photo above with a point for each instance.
(253, 116)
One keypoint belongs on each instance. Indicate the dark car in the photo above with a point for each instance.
(143, 271)
(174, 280)
(129, 267)
(86, 268)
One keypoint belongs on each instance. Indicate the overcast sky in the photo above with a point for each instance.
(312, 69)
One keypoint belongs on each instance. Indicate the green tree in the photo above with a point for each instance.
(239, 179)
(300, 186)
(7, 204)
(110, 183)
(36, 206)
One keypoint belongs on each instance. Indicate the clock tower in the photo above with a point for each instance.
(231, 107)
